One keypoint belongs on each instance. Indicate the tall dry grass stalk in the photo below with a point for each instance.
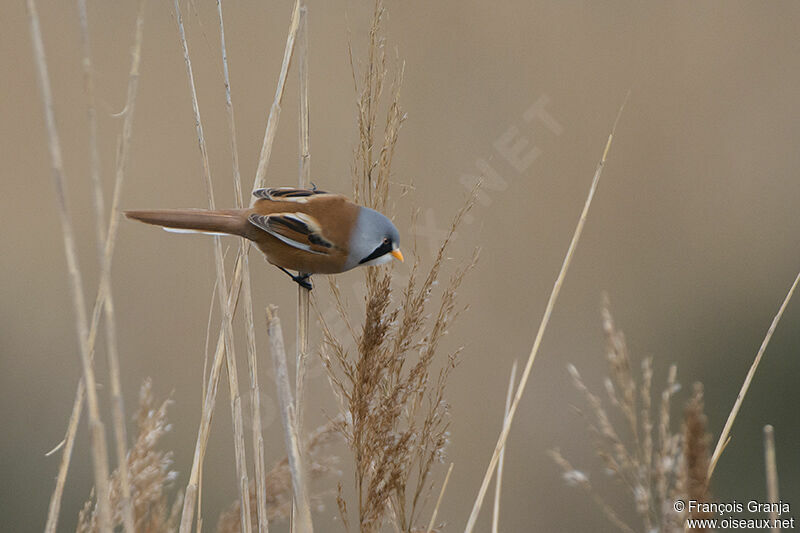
(230, 354)
(123, 157)
(771, 468)
(432, 522)
(724, 437)
(390, 387)
(656, 464)
(98, 439)
(103, 301)
(304, 179)
(151, 477)
(302, 508)
(498, 481)
(91, 115)
(237, 281)
(262, 523)
(501, 440)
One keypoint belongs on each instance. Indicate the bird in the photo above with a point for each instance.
(309, 231)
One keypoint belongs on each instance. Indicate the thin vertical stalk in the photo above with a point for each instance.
(501, 440)
(99, 449)
(123, 156)
(771, 467)
(252, 359)
(302, 522)
(192, 487)
(498, 482)
(104, 302)
(187, 513)
(439, 499)
(91, 115)
(275, 110)
(230, 355)
(68, 443)
(725, 435)
(304, 181)
(301, 338)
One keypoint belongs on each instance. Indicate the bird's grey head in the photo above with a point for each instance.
(374, 241)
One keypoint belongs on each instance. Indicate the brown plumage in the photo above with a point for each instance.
(306, 230)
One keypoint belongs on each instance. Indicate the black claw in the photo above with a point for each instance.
(302, 279)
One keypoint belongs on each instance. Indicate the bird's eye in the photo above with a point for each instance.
(386, 240)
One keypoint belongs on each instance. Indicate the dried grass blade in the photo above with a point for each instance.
(302, 522)
(498, 483)
(233, 294)
(233, 381)
(123, 156)
(99, 449)
(275, 110)
(724, 436)
(771, 466)
(252, 359)
(439, 499)
(303, 307)
(540, 333)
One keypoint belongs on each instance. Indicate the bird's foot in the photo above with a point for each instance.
(303, 279)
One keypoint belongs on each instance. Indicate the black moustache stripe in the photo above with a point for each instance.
(383, 249)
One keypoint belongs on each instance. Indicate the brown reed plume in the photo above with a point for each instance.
(697, 446)
(150, 475)
(656, 464)
(390, 383)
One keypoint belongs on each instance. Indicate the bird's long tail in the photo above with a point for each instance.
(230, 222)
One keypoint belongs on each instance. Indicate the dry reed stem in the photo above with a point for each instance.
(439, 499)
(275, 110)
(230, 354)
(771, 468)
(302, 522)
(233, 294)
(540, 333)
(103, 291)
(192, 487)
(724, 436)
(68, 444)
(498, 482)
(303, 307)
(91, 114)
(99, 448)
(123, 156)
(203, 399)
(252, 359)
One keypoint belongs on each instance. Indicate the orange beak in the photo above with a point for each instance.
(397, 255)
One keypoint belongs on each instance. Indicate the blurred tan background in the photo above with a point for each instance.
(694, 232)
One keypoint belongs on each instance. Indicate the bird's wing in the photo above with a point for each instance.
(287, 194)
(299, 230)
